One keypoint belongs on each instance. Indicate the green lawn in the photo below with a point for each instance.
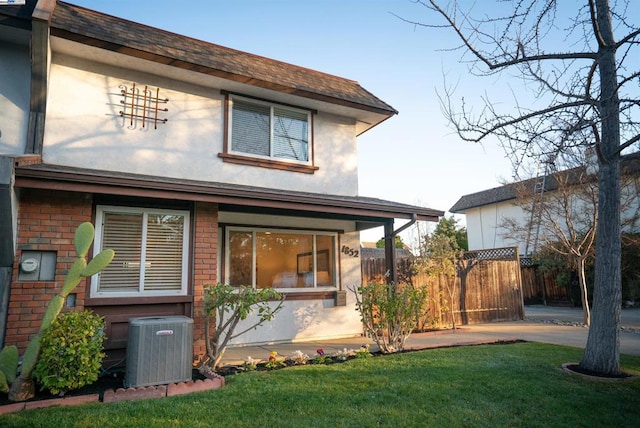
(514, 385)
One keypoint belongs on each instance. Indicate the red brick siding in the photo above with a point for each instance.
(47, 221)
(205, 258)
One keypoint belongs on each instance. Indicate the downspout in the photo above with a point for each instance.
(40, 58)
(390, 247)
(8, 211)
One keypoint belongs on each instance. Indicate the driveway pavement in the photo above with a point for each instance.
(560, 326)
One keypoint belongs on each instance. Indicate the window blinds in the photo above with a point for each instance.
(147, 246)
(251, 128)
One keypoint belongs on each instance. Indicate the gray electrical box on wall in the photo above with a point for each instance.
(341, 298)
(159, 351)
(37, 266)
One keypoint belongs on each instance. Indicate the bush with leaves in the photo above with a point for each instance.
(71, 352)
(229, 305)
(390, 313)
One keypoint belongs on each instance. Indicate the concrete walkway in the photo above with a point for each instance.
(560, 326)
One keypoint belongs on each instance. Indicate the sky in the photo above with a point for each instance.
(413, 157)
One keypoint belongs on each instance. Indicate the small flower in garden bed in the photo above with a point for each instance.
(250, 364)
(344, 354)
(364, 352)
(274, 362)
(299, 358)
(321, 358)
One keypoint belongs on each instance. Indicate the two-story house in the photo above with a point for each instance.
(198, 164)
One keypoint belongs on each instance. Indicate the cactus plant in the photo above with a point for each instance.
(8, 367)
(22, 387)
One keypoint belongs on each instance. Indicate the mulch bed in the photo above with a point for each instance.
(575, 368)
(112, 380)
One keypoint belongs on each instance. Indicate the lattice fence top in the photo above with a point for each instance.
(508, 253)
(527, 262)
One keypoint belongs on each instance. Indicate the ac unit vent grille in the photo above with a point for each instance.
(159, 350)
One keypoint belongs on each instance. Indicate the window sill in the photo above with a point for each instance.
(308, 295)
(267, 163)
(137, 300)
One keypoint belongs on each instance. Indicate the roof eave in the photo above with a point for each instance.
(103, 182)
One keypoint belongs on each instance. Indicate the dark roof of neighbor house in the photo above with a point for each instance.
(630, 165)
(31, 173)
(379, 253)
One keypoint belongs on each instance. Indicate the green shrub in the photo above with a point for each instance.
(228, 305)
(71, 352)
(390, 313)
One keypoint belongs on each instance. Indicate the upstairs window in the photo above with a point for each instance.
(268, 135)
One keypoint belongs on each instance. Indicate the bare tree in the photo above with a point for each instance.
(586, 95)
(561, 211)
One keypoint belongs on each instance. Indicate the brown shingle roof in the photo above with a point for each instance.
(131, 38)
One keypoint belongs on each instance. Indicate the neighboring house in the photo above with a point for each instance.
(197, 163)
(368, 253)
(485, 211)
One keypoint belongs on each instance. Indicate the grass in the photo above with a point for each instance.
(516, 385)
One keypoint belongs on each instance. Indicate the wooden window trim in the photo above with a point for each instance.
(312, 295)
(139, 300)
(266, 163)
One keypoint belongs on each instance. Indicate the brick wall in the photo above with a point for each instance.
(205, 268)
(47, 222)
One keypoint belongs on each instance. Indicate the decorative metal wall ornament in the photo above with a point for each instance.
(142, 105)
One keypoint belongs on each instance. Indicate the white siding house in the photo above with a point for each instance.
(486, 211)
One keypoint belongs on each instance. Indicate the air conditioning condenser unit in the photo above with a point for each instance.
(159, 351)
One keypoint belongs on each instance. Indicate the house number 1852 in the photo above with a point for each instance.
(350, 251)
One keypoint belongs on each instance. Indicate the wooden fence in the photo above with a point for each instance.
(489, 289)
(542, 288)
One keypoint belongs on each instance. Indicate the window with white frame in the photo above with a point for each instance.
(264, 130)
(280, 259)
(151, 252)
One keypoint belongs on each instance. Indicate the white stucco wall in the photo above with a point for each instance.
(15, 78)
(84, 129)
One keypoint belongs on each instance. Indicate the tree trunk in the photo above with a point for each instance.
(583, 292)
(602, 352)
(22, 389)
(463, 297)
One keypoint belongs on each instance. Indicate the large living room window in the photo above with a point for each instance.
(269, 135)
(151, 251)
(280, 259)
